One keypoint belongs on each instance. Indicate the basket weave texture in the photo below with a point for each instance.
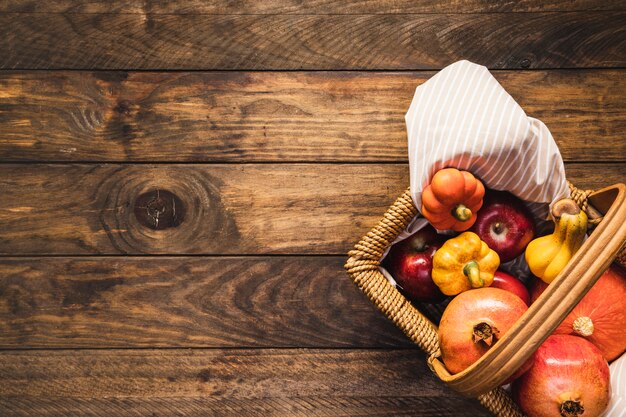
(363, 267)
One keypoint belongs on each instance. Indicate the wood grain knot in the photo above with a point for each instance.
(159, 209)
(123, 107)
(164, 209)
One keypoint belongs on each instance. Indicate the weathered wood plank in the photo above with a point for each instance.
(225, 383)
(201, 406)
(186, 302)
(206, 209)
(298, 42)
(226, 209)
(307, 7)
(269, 117)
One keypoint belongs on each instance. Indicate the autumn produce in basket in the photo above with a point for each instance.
(485, 176)
(568, 376)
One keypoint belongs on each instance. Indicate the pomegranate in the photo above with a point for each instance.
(600, 315)
(473, 321)
(568, 378)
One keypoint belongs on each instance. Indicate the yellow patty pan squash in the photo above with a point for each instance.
(547, 255)
(463, 263)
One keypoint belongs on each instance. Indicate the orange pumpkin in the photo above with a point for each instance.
(452, 199)
(601, 315)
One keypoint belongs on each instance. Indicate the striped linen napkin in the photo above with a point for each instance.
(463, 118)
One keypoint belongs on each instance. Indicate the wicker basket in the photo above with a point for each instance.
(607, 210)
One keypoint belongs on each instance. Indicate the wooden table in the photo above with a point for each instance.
(180, 182)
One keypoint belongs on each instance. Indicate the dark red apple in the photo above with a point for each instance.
(410, 262)
(504, 224)
(509, 283)
(537, 287)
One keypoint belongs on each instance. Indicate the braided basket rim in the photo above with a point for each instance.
(362, 267)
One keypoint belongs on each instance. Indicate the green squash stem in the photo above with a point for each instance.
(472, 271)
(462, 213)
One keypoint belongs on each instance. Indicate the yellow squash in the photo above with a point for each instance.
(463, 263)
(547, 255)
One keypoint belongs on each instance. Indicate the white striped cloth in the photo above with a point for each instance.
(617, 406)
(463, 118)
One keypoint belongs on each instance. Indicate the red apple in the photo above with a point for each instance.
(511, 284)
(504, 224)
(410, 262)
(537, 287)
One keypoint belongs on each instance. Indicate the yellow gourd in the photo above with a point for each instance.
(547, 255)
(463, 263)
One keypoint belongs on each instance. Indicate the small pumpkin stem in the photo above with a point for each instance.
(572, 408)
(565, 206)
(583, 326)
(485, 332)
(462, 213)
(472, 271)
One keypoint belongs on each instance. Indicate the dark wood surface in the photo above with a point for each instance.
(232, 382)
(320, 42)
(322, 7)
(172, 241)
(275, 116)
(72, 302)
